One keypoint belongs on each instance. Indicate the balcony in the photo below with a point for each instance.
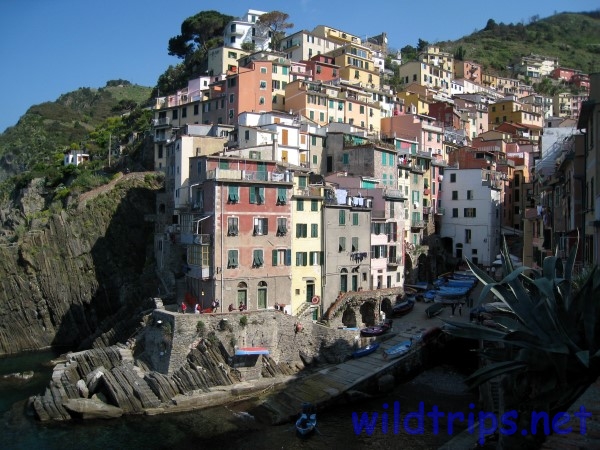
(394, 261)
(440, 211)
(427, 209)
(417, 169)
(201, 239)
(314, 192)
(417, 224)
(394, 194)
(245, 175)
(162, 122)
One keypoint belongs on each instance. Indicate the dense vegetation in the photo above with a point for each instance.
(573, 39)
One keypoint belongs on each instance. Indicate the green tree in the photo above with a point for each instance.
(409, 53)
(199, 33)
(276, 22)
(421, 45)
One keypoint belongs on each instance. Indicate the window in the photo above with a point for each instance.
(300, 205)
(281, 257)
(354, 218)
(469, 195)
(301, 230)
(314, 205)
(467, 236)
(261, 100)
(316, 258)
(301, 182)
(314, 230)
(454, 212)
(470, 212)
(261, 226)
(354, 244)
(301, 258)
(281, 196)
(263, 85)
(452, 178)
(454, 195)
(257, 258)
(342, 217)
(263, 70)
(345, 158)
(232, 226)
(233, 195)
(232, 259)
(342, 244)
(257, 195)
(281, 226)
(175, 113)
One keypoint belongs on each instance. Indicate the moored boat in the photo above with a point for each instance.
(376, 330)
(403, 308)
(366, 350)
(397, 350)
(434, 310)
(307, 422)
(251, 351)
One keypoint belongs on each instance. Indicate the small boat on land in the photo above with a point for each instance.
(403, 308)
(434, 310)
(251, 351)
(307, 422)
(376, 330)
(397, 350)
(366, 350)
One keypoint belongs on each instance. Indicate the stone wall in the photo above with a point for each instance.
(271, 329)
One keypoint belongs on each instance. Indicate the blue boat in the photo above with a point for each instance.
(366, 350)
(397, 350)
(449, 291)
(307, 422)
(251, 351)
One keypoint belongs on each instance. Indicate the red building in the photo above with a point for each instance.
(244, 208)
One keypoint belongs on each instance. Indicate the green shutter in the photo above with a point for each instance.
(288, 257)
(274, 253)
(252, 194)
(314, 230)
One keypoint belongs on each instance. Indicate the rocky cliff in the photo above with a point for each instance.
(78, 278)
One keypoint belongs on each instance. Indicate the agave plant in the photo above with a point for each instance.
(548, 348)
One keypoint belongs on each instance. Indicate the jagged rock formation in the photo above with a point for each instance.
(72, 276)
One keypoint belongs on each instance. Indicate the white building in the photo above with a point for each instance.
(245, 30)
(473, 216)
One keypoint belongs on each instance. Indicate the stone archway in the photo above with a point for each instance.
(349, 318)
(422, 272)
(368, 313)
(408, 268)
(387, 307)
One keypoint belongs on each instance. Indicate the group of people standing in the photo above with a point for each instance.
(198, 308)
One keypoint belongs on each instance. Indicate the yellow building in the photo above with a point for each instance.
(307, 246)
(334, 35)
(510, 110)
(356, 64)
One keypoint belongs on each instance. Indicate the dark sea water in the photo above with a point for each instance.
(229, 427)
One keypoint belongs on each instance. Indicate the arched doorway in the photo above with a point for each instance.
(367, 312)
(242, 294)
(349, 318)
(422, 265)
(262, 295)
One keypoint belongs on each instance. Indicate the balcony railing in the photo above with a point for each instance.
(394, 260)
(394, 194)
(417, 224)
(245, 175)
(427, 209)
(161, 122)
(417, 169)
(440, 211)
(308, 192)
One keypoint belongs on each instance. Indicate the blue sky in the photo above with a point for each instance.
(49, 48)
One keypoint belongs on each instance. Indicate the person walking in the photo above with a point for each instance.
(460, 309)
(183, 307)
(453, 308)
(197, 308)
